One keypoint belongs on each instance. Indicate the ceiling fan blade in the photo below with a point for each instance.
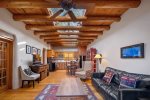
(53, 1)
(57, 14)
(71, 14)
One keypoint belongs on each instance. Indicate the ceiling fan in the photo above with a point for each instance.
(68, 6)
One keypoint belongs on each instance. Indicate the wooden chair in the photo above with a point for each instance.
(25, 77)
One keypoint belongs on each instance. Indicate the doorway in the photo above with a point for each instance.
(6, 54)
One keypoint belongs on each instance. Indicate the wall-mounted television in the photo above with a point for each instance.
(133, 51)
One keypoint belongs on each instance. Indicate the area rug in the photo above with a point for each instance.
(48, 93)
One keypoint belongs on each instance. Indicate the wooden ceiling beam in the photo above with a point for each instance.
(58, 38)
(80, 28)
(117, 3)
(42, 4)
(63, 42)
(83, 37)
(45, 18)
(69, 41)
(66, 33)
(80, 35)
(61, 45)
(69, 45)
(83, 44)
(26, 4)
(67, 37)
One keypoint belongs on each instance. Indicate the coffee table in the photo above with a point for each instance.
(71, 89)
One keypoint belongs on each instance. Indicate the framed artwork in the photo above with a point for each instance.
(133, 51)
(28, 49)
(39, 52)
(34, 50)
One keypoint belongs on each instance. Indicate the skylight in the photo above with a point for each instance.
(64, 31)
(67, 23)
(77, 13)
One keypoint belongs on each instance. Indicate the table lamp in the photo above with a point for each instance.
(98, 56)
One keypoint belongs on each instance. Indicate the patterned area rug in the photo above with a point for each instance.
(48, 93)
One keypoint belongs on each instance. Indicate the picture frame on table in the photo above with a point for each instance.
(28, 49)
(34, 51)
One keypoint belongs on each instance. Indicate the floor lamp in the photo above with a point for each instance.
(98, 57)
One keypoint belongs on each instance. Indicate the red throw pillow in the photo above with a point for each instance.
(108, 76)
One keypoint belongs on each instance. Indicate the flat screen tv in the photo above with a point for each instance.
(133, 51)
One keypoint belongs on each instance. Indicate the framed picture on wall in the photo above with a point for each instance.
(28, 49)
(133, 51)
(39, 51)
(34, 50)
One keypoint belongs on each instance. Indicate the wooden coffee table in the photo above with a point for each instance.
(71, 89)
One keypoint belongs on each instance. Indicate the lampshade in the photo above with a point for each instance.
(98, 56)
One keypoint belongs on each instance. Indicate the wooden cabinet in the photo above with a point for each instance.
(90, 54)
(66, 55)
(50, 53)
(43, 70)
(61, 65)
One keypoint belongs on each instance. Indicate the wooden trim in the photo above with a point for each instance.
(54, 28)
(66, 33)
(10, 66)
(81, 3)
(10, 63)
(44, 51)
(46, 18)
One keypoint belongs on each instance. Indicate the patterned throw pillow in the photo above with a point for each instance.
(108, 76)
(28, 71)
(127, 82)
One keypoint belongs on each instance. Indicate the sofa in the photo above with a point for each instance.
(113, 91)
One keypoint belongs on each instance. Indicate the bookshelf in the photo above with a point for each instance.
(90, 54)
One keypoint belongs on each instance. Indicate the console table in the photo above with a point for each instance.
(43, 70)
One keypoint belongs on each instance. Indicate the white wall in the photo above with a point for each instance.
(21, 34)
(134, 28)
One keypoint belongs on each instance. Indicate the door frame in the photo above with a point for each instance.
(10, 63)
(44, 55)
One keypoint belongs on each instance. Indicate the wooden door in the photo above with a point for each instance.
(5, 64)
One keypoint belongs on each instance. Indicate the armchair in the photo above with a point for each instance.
(86, 71)
(26, 77)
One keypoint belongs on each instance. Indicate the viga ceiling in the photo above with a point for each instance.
(68, 23)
